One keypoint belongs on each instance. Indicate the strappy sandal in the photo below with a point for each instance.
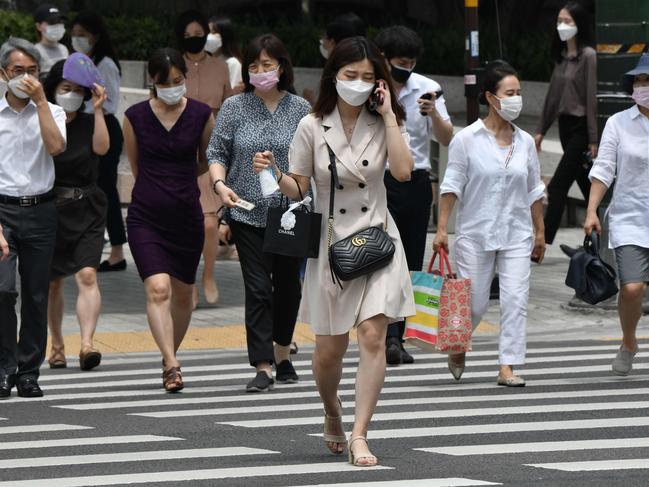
(356, 461)
(172, 379)
(337, 439)
(56, 359)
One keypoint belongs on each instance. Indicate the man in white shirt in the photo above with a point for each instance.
(410, 202)
(32, 131)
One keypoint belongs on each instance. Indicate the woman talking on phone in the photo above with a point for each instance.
(494, 174)
(343, 131)
(262, 119)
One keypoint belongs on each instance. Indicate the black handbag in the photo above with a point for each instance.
(592, 279)
(362, 252)
(303, 240)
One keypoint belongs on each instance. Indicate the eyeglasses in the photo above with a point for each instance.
(33, 71)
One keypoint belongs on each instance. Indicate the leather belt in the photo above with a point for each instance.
(26, 201)
(69, 193)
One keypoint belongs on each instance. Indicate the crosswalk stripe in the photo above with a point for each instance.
(596, 465)
(187, 356)
(505, 396)
(347, 380)
(450, 413)
(100, 440)
(540, 446)
(450, 482)
(471, 429)
(189, 391)
(41, 428)
(188, 475)
(135, 456)
(419, 365)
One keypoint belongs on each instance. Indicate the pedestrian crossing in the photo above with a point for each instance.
(116, 426)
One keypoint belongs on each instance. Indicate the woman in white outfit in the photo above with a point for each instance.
(493, 172)
(361, 140)
(624, 158)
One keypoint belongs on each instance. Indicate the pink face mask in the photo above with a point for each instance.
(641, 96)
(264, 81)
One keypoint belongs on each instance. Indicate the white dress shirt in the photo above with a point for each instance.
(110, 74)
(624, 156)
(419, 127)
(493, 200)
(26, 168)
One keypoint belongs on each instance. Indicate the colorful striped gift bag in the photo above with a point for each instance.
(443, 303)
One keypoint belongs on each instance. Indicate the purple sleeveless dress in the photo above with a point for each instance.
(165, 220)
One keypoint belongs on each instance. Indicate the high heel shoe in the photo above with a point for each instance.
(338, 439)
(356, 461)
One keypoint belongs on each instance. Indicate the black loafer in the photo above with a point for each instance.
(393, 351)
(406, 358)
(6, 384)
(285, 373)
(106, 266)
(29, 388)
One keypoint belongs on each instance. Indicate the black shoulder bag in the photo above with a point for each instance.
(362, 252)
(592, 279)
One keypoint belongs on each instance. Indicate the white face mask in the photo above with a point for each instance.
(213, 43)
(323, 52)
(566, 31)
(81, 44)
(54, 33)
(14, 86)
(510, 107)
(3, 88)
(70, 102)
(355, 92)
(171, 96)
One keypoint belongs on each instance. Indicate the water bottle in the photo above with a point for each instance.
(268, 182)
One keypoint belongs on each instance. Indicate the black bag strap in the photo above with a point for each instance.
(591, 243)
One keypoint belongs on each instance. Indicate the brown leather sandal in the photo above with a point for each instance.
(172, 379)
(56, 359)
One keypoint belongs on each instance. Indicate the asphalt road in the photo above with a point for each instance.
(574, 424)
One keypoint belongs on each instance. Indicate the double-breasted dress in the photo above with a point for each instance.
(359, 203)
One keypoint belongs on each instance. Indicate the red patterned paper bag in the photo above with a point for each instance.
(454, 326)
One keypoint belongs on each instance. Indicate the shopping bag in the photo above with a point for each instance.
(454, 327)
(443, 309)
(293, 230)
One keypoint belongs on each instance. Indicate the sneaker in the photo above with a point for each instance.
(623, 362)
(261, 383)
(406, 358)
(285, 373)
(393, 351)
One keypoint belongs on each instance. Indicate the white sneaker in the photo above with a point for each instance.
(623, 362)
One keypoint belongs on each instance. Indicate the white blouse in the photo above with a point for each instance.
(624, 156)
(494, 187)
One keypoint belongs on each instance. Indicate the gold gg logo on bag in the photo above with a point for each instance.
(358, 241)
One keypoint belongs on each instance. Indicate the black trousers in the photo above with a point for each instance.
(31, 234)
(273, 293)
(410, 204)
(107, 181)
(573, 133)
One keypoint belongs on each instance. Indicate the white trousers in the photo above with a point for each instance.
(514, 274)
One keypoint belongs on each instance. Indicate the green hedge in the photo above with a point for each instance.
(136, 37)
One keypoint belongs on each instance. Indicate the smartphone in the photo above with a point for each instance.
(376, 99)
(246, 205)
(428, 96)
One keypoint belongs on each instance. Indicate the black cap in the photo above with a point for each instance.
(47, 12)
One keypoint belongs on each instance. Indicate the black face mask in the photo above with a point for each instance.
(194, 45)
(399, 74)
